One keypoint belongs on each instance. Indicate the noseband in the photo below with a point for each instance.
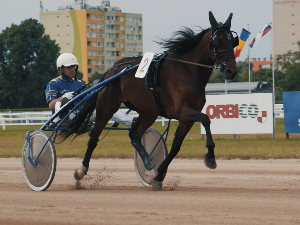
(214, 43)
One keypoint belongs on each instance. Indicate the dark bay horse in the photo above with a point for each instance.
(182, 78)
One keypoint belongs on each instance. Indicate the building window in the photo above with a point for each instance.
(93, 25)
(107, 17)
(89, 53)
(94, 35)
(89, 34)
(94, 44)
(94, 53)
(98, 26)
(93, 17)
(121, 18)
(108, 27)
(88, 25)
(89, 70)
(98, 17)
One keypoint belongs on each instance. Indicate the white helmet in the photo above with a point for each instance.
(66, 59)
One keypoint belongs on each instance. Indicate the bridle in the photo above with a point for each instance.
(214, 43)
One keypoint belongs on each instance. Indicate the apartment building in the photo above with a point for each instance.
(97, 35)
(286, 26)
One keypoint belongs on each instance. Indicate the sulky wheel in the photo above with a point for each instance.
(40, 177)
(149, 140)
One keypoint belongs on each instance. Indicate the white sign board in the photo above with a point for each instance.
(144, 65)
(239, 113)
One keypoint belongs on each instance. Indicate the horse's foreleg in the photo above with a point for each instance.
(181, 131)
(209, 158)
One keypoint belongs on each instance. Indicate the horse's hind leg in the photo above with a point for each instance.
(139, 126)
(92, 143)
(103, 115)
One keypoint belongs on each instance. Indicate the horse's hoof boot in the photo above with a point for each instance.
(149, 165)
(210, 163)
(79, 173)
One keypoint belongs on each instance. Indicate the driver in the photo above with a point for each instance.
(66, 84)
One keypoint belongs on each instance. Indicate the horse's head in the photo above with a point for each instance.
(222, 44)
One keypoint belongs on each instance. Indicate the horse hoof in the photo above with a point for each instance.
(149, 175)
(210, 163)
(79, 173)
(156, 185)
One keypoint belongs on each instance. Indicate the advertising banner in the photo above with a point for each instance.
(239, 113)
(291, 109)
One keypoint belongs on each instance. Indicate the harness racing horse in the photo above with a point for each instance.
(182, 78)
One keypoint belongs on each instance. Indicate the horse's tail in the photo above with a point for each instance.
(80, 123)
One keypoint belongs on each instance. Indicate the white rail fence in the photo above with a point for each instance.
(39, 118)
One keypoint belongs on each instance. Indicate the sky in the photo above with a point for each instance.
(163, 17)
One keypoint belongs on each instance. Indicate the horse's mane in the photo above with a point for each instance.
(182, 41)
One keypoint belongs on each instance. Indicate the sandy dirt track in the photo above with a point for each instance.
(237, 192)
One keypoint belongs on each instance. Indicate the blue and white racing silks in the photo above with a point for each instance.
(59, 86)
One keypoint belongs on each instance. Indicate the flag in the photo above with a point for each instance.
(265, 30)
(243, 38)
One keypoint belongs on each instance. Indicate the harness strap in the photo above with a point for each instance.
(151, 82)
(158, 104)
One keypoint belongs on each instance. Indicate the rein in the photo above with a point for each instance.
(196, 64)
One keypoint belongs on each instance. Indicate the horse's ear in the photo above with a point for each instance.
(213, 21)
(228, 21)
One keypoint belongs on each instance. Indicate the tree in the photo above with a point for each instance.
(27, 63)
(284, 60)
(291, 81)
(95, 76)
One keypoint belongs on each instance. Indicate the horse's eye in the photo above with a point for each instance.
(216, 42)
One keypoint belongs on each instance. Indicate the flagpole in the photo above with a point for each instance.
(249, 60)
(273, 78)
